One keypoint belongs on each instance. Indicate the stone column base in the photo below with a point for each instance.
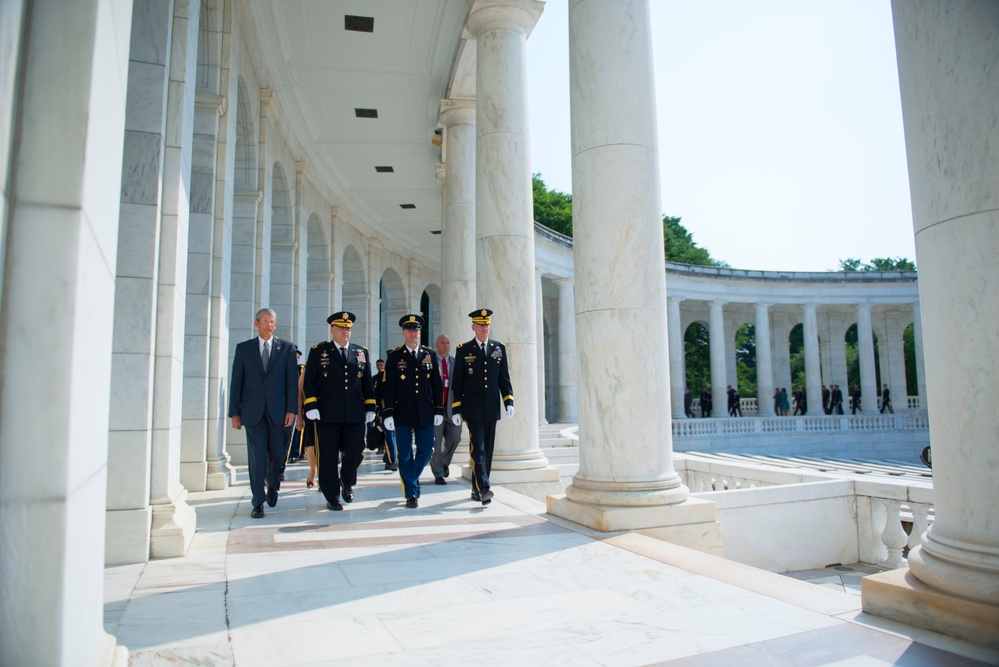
(692, 523)
(900, 596)
(221, 475)
(536, 483)
(173, 528)
(112, 654)
(127, 535)
(194, 475)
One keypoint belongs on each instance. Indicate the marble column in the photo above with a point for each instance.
(764, 362)
(813, 371)
(865, 354)
(949, 83)
(568, 399)
(892, 350)
(917, 339)
(58, 298)
(674, 335)
(504, 258)
(540, 320)
(716, 350)
(626, 478)
(458, 233)
(837, 353)
(781, 351)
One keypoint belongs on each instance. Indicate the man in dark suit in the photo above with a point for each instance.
(411, 404)
(481, 383)
(263, 397)
(337, 394)
(886, 399)
(447, 435)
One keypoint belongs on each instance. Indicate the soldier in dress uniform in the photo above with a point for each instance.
(337, 394)
(411, 404)
(481, 384)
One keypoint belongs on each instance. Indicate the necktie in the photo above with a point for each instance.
(343, 355)
(266, 356)
(444, 376)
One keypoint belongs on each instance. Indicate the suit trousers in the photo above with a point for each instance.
(411, 464)
(334, 440)
(446, 439)
(265, 450)
(481, 438)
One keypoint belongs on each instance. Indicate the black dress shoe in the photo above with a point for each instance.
(391, 466)
(440, 481)
(475, 496)
(257, 512)
(348, 494)
(335, 506)
(412, 502)
(487, 496)
(272, 497)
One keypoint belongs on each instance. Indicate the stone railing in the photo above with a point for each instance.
(783, 520)
(694, 428)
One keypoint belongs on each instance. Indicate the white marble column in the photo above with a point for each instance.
(949, 83)
(58, 299)
(626, 477)
(504, 259)
(458, 233)
(781, 351)
(764, 362)
(917, 339)
(674, 335)
(813, 371)
(892, 350)
(540, 320)
(865, 354)
(568, 399)
(716, 350)
(837, 353)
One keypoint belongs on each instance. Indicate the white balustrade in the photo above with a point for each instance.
(893, 536)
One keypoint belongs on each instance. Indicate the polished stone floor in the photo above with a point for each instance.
(453, 583)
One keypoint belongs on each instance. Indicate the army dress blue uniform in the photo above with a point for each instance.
(343, 394)
(411, 394)
(479, 386)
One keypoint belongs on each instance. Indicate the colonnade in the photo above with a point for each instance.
(155, 193)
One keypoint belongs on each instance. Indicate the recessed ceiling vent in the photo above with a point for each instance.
(407, 205)
(366, 113)
(385, 170)
(359, 23)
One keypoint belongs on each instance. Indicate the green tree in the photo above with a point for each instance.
(877, 264)
(697, 357)
(552, 208)
(680, 246)
(745, 360)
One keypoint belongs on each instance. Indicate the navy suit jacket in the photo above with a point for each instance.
(252, 391)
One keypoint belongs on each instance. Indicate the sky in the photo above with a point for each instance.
(780, 127)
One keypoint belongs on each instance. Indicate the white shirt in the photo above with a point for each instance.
(260, 344)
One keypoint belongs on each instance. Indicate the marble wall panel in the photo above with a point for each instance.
(131, 396)
(137, 247)
(130, 451)
(140, 169)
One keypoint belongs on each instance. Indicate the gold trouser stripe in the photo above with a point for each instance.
(310, 400)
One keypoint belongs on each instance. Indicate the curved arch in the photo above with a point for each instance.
(245, 294)
(697, 359)
(391, 309)
(432, 311)
(282, 250)
(319, 282)
(355, 292)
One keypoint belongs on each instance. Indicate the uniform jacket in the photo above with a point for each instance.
(480, 383)
(342, 393)
(252, 391)
(411, 390)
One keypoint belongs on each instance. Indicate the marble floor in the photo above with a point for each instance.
(453, 582)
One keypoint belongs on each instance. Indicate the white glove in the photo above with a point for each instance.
(509, 411)
(438, 420)
(389, 423)
(313, 414)
(456, 420)
(369, 417)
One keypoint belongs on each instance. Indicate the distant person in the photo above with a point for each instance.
(734, 408)
(688, 403)
(886, 400)
(706, 402)
(785, 404)
(826, 394)
(778, 409)
(836, 400)
(855, 395)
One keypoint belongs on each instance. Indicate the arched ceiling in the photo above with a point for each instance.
(397, 67)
